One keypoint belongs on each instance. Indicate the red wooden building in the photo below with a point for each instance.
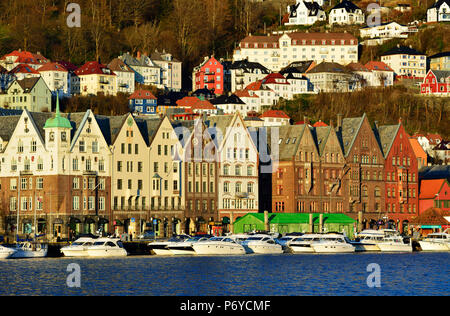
(436, 82)
(209, 74)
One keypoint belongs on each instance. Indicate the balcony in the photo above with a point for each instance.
(89, 173)
(104, 81)
(26, 173)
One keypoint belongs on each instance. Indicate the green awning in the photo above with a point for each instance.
(430, 226)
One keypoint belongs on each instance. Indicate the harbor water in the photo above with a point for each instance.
(254, 275)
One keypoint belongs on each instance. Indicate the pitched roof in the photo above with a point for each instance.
(357, 67)
(385, 136)
(432, 216)
(142, 94)
(418, 150)
(244, 94)
(321, 135)
(118, 65)
(28, 83)
(52, 67)
(378, 65)
(429, 188)
(275, 113)
(438, 3)
(248, 66)
(68, 65)
(319, 124)
(275, 78)
(330, 67)
(402, 50)
(347, 6)
(441, 75)
(27, 57)
(435, 172)
(93, 68)
(300, 67)
(23, 68)
(439, 55)
(225, 99)
(349, 131)
(289, 139)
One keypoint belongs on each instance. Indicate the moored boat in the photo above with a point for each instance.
(186, 247)
(435, 242)
(332, 243)
(160, 247)
(303, 244)
(78, 248)
(6, 252)
(30, 250)
(262, 244)
(394, 243)
(107, 247)
(218, 246)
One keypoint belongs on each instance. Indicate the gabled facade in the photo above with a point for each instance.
(209, 75)
(364, 167)
(439, 11)
(400, 174)
(56, 170)
(34, 60)
(238, 188)
(171, 70)
(436, 82)
(57, 78)
(346, 12)
(125, 81)
(30, 93)
(305, 13)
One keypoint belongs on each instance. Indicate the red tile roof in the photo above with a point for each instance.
(93, 68)
(52, 67)
(195, 103)
(23, 68)
(274, 113)
(142, 94)
(378, 66)
(244, 94)
(273, 77)
(26, 57)
(429, 188)
(320, 124)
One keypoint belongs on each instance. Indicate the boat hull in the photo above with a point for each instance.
(74, 252)
(332, 248)
(218, 249)
(5, 253)
(264, 248)
(107, 252)
(301, 249)
(21, 254)
(433, 246)
(161, 251)
(395, 247)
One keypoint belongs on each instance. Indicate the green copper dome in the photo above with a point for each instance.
(57, 121)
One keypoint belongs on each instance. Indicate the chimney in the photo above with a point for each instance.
(376, 124)
(339, 121)
(138, 54)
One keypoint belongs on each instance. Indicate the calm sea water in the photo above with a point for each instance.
(255, 275)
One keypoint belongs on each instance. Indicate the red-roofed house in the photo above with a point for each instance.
(56, 76)
(143, 101)
(279, 84)
(96, 78)
(434, 193)
(420, 154)
(383, 75)
(267, 97)
(11, 60)
(275, 118)
(197, 106)
(23, 71)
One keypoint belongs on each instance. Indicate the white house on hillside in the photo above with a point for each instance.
(346, 12)
(439, 11)
(305, 13)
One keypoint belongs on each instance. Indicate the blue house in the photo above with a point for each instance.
(143, 101)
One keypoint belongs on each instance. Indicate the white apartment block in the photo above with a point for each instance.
(277, 51)
(439, 11)
(406, 62)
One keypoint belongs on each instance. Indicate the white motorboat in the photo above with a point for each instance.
(286, 240)
(107, 247)
(6, 252)
(368, 240)
(160, 247)
(78, 248)
(394, 243)
(185, 247)
(435, 242)
(332, 243)
(262, 244)
(218, 246)
(30, 250)
(303, 244)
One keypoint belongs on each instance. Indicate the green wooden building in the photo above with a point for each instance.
(295, 222)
